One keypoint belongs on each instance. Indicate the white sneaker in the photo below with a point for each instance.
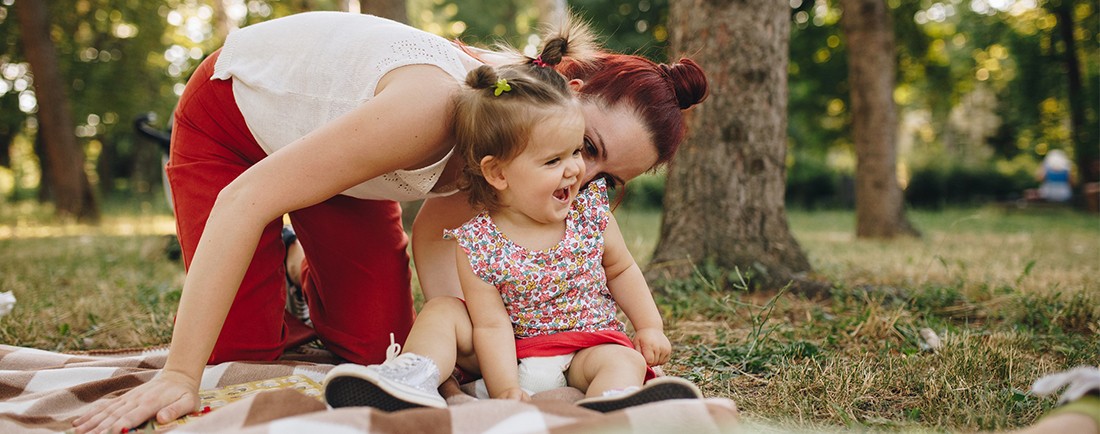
(657, 389)
(402, 382)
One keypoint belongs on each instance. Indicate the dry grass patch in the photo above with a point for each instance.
(1012, 296)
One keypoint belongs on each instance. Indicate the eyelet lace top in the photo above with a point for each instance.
(293, 74)
(563, 288)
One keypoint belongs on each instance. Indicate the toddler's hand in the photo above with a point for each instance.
(514, 393)
(167, 397)
(654, 346)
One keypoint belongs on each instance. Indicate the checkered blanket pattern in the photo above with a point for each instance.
(42, 392)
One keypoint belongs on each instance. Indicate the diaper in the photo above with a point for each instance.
(536, 374)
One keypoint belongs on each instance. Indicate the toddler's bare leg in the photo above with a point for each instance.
(443, 332)
(606, 367)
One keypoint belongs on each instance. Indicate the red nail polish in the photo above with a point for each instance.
(125, 430)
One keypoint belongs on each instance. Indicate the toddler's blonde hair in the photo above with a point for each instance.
(495, 113)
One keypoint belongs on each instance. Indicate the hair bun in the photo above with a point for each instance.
(482, 77)
(688, 81)
(554, 50)
(572, 38)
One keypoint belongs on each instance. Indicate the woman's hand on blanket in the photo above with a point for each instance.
(654, 346)
(514, 393)
(168, 396)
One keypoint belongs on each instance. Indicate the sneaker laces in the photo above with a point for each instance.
(410, 369)
(393, 350)
(395, 365)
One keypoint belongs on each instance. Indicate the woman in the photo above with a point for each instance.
(333, 117)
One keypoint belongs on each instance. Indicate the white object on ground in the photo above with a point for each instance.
(1077, 381)
(931, 341)
(7, 302)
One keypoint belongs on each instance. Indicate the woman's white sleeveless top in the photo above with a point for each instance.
(293, 74)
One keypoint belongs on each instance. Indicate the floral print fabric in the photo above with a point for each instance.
(563, 288)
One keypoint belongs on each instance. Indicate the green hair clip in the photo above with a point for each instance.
(502, 86)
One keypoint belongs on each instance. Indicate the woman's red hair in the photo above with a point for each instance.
(658, 92)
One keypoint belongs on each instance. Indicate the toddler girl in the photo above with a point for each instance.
(542, 268)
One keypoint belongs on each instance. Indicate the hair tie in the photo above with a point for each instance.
(538, 62)
(501, 87)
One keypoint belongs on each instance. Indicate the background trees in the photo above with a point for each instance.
(984, 88)
(62, 159)
(872, 64)
(982, 93)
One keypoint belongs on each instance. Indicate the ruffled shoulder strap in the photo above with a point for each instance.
(593, 208)
(478, 239)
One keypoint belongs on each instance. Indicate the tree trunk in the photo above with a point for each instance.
(71, 191)
(724, 198)
(880, 206)
(1085, 149)
(393, 9)
(5, 148)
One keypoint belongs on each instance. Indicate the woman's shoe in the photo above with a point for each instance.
(295, 297)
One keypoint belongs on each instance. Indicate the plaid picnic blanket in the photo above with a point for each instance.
(42, 392)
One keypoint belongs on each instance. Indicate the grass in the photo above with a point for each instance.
(1012, 295)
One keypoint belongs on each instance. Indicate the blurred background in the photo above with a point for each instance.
(985, 88)
(985, 91)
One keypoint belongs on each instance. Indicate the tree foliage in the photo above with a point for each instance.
(979, 82)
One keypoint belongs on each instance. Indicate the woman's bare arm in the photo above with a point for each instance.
(434, 256)
(349, 150)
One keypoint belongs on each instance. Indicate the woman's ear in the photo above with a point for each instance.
(493, 171)
(576, 84)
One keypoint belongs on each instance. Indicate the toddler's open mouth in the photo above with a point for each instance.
(562, 194)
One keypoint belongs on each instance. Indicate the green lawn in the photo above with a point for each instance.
(1012, 294)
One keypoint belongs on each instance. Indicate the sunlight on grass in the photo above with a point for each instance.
(31, 220)
(1013, 295)
(984, 249)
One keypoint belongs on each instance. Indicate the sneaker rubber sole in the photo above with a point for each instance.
(657, 389)
(356, 387)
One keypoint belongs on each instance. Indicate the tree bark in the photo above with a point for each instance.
(872, 65)
(393, 9)
(724, 198)
(1084, 146)
(69, 186)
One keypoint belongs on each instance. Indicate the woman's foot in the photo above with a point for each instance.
(657, 389)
